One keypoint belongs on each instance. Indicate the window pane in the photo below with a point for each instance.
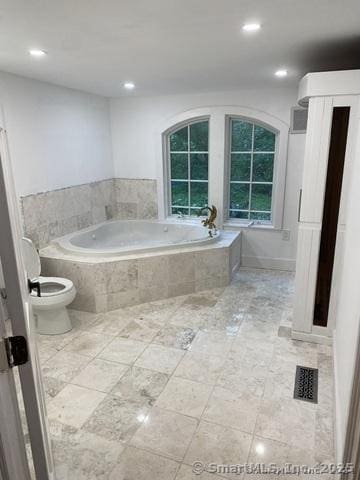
(239, 196)
(178, 211)
(264, 140)
(198, 194)
(240, 166)
(242, 215)
(263, 166)
(199, 133)
(260, 216)
(179, 194)
(199, 166)
(179, 140)
(179, 166)
(261, 197)
(241, 136)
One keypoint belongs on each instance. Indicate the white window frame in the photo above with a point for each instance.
(167, 154)
(218, 164)
(239, 221)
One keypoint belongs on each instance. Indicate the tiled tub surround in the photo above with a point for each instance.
(107, 283)
(142, 392)
(56, 213)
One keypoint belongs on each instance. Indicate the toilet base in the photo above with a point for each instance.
(53, 322)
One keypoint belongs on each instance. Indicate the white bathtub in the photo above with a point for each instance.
(126, 237)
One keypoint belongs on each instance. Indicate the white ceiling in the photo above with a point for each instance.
(176, 46)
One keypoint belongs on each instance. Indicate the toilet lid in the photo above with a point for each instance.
(31, 259)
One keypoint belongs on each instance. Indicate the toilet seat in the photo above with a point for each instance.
(52, 286)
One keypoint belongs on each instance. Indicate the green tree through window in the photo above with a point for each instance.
(252, 152)
(189, 160)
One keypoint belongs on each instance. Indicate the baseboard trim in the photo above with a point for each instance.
(311, 337)
(338, 439)
(270, 263)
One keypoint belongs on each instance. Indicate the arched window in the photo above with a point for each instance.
(251, 174)
(188, 160)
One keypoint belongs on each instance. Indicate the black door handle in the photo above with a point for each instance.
(34, 286)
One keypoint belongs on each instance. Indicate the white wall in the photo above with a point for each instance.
(348, 312)
(57, 136)
(135, 134)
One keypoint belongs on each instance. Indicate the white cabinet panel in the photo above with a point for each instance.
(316, 159)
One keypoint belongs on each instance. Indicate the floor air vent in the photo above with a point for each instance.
(306, 384)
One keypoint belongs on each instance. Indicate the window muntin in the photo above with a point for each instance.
(189, 165)
(252, 155)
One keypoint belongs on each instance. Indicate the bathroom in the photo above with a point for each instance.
(172, 216)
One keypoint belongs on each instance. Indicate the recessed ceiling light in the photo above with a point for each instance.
(37, 53)
(251, 27)
(281, 73)
(129, 85)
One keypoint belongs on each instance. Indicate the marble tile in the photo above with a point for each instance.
(216, 444)
(161, 359)
(175, 337)
(52, 387)
(165, 433)
(232, 409)
(111, 323)
(140, 386)
(184, 396)
(116, 419)
(74, 405)
(190, 316)
(85, 456)
(212, 343)
(143, 329)
(123, 350)
(153, 271)
(135, 464)
(82, 320)
(187, 473)
(287, 421)
(89, 344)
(245, 374)
(64, 366)
(265, 451)
(100, 375)
(303, 353)
(200, 367)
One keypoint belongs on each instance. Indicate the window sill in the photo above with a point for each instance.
(240, 225)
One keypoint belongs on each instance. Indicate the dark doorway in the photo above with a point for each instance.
(334, 178)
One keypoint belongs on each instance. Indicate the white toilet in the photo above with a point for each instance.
(56, 294)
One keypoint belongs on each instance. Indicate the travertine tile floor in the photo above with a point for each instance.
(146, 391)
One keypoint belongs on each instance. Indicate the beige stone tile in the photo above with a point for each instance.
(212, 343)
(116, 419)
(123, 350)
(135, 464)
(153, 271)
(216, 444)
(265, 451)
(84, 455)
(188, 473)
(82, 320)
(64, 366)
(143, 329)
(74, 405)
(232, 409)
(182, 288)
(287, 421)
(161, 359)
(52, 387)
(165, 433)
(184, 263)
(200, 367)
(140, 386)
(100, 375)
(89, 344)
(111, 323)
(184, 396)
(175, 337)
